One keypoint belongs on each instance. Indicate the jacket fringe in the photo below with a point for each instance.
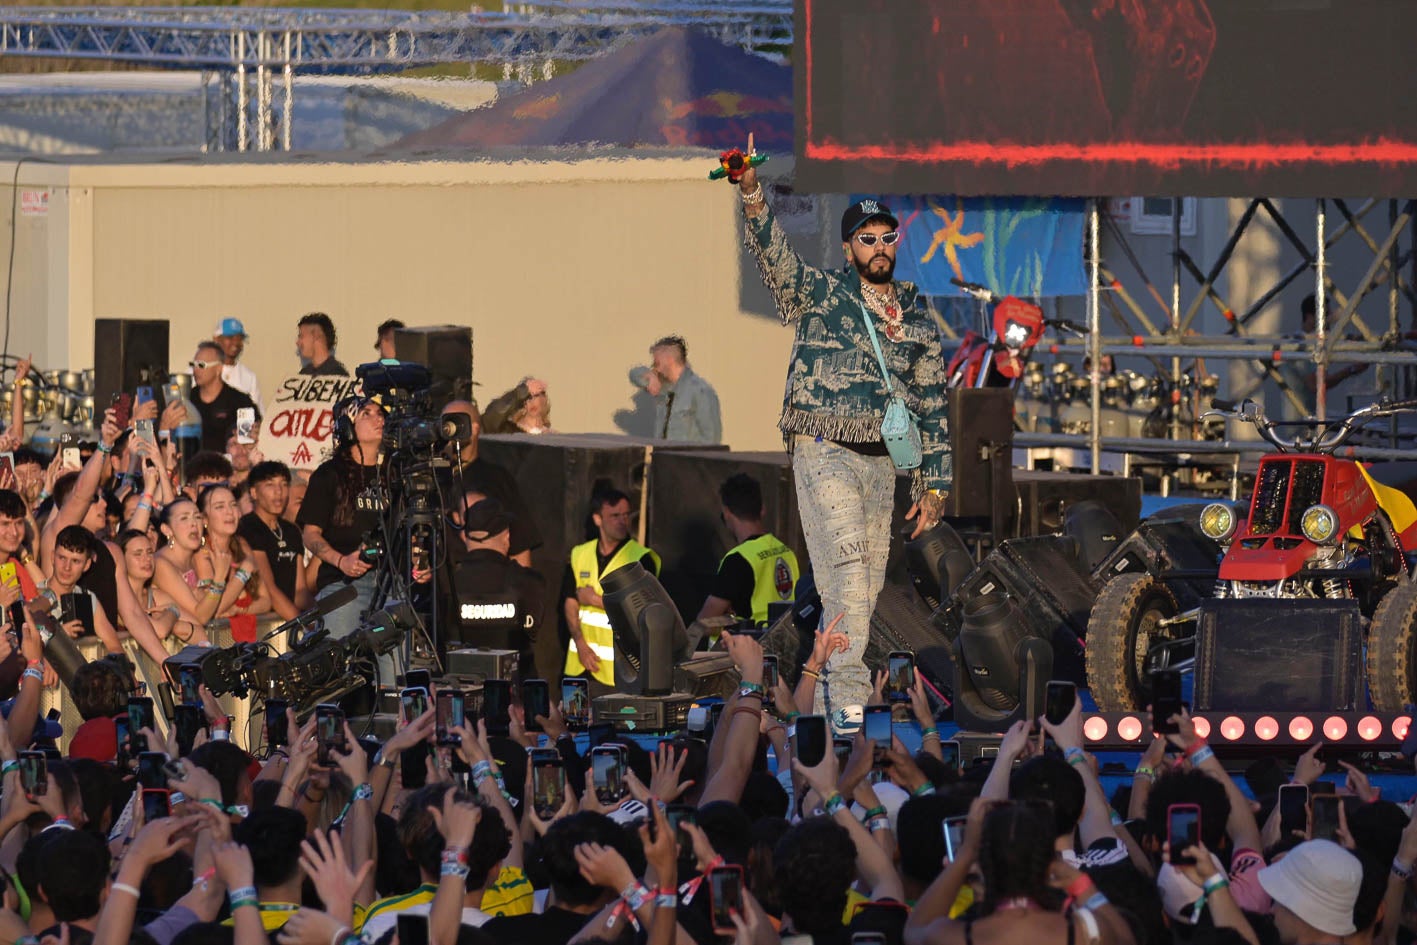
(830, 426)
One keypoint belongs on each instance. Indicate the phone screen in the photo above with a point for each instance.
(413, 765)
(413, 702)
(842, 747)
(34, 773)
(878, 726)
(1183, 830)
(150, 773)
(607, 773)
(678, 815)
(1165, 701)
(1293, 808)
(188, 720)
(900, 676)
(418, 679)
(189, 680)
(329, 733)
(548, 787)
(245, 424)
(496, 700)
(599, 733)
(157, 804)
(140, 716)
(1325, 816)
(536, 700)
(277, 724)
(954, 835)
(725, 896)
(1059, 700)
(575, 702)
(811, 739)
(124, 739)
(449, 716)
(769, 673)
(949, 754)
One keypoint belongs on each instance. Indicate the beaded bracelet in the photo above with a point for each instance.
(753, 196)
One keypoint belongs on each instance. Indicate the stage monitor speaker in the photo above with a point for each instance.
(446, 350)
(1254, 655)
(1050, 587)
(982, 442)
(1171, 547)
(685, 526)
(1044, 498)
(128, 353)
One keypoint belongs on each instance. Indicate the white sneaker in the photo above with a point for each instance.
(846, 721)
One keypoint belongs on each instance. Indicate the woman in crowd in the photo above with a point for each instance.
(168, 618)
(225, 569)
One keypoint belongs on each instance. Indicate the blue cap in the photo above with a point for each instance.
(230, 327)
(44, 728)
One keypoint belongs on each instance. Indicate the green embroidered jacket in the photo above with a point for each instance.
(834, 385)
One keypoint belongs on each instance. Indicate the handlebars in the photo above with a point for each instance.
(985, 294)
(1327, 436)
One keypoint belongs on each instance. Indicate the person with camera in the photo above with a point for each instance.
(342, 511)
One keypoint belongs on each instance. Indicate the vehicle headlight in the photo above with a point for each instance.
(1218, 521)
(1319, 524)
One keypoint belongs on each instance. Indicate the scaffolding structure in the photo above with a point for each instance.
(235, 47)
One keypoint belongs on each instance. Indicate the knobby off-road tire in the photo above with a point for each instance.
(1392, 649)
(1120, 631)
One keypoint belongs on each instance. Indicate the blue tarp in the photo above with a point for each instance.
(1024, 246)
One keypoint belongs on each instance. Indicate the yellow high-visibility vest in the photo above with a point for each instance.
(595, 622)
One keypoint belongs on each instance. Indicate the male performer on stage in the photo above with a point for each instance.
(835, 399)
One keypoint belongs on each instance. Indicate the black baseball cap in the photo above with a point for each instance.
(485, 518)
(862, 212)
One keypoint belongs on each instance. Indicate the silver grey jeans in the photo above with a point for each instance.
(845, 502)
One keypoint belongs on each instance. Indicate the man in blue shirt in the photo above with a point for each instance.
(685, 405)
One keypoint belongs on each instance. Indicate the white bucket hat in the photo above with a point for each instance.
(1317, 881)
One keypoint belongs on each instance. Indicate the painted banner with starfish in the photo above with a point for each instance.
(1024, 246)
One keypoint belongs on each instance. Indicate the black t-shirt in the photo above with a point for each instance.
(485, 575)
(102, 580)
(734, 583)
(552, 927)
(283, 547)
(328, 366)
(219, 416)
(493, 481)
(568, 576)
(318, 509)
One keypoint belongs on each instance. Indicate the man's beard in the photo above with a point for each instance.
(875, 277)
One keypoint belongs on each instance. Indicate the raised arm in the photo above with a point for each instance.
(795, 286)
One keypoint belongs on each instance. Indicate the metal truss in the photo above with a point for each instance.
(358, 42)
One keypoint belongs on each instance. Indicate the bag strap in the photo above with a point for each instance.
(880, 358)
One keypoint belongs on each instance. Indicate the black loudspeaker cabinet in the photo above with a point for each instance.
(1301, 656)
(1171, 547)
(982, 439)
(901, 621)
(1045, 497)
(1047, 583)
(684, 522)
(128, 353)
(446, 350)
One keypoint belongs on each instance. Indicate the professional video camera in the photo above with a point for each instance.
(315, 667)
(412, 423)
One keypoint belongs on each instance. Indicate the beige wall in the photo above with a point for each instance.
(564, 270)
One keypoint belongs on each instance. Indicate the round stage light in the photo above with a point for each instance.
(1095, 729)
(1319, 523)
(1129, 728)
(1335, 728)
(1400, 725)
(1202, 726)
(1232, 728)
(1218, 521)
(1266, 728)
(1370, 727)
(1301, 729)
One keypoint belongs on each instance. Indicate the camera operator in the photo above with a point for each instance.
(342, 509)
(498, 604)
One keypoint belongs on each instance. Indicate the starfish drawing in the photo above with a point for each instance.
(949, 236)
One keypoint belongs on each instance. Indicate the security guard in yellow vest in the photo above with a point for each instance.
(760, 569)
(592, 646)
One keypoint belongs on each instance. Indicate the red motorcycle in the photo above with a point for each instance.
(998, 360)
(1319, 528)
